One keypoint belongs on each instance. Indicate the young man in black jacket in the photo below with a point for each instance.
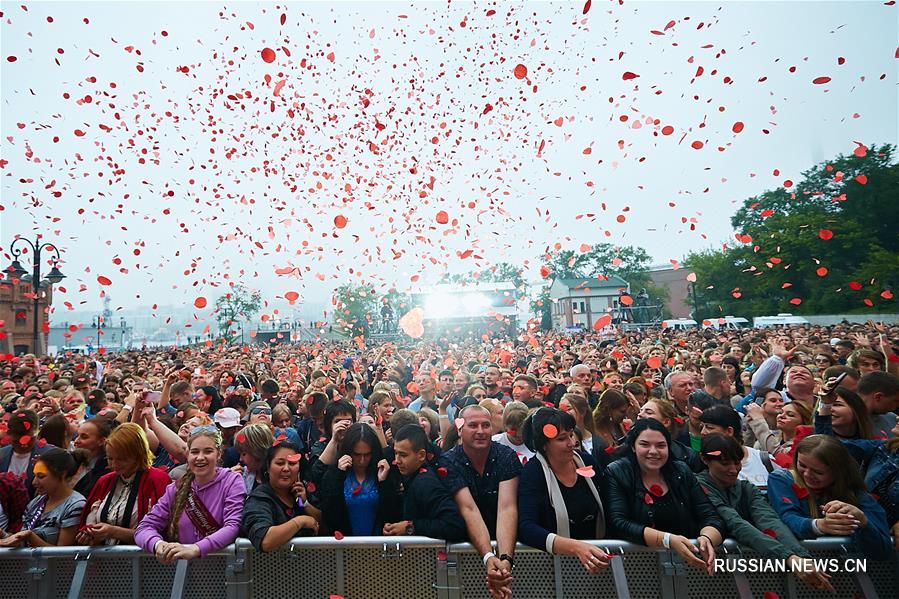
(428, 510)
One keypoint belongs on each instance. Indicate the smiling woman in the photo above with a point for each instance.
(201, 512)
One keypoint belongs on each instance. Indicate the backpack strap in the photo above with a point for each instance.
(766, 460)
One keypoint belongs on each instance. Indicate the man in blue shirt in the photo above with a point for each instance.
(482, 477)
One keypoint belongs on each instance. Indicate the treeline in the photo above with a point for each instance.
(826, 244)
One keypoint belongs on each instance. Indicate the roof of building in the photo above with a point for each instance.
(592, 282)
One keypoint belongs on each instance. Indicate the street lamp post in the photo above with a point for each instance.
(16, 272)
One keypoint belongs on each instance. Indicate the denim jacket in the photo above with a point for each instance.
(878, 465)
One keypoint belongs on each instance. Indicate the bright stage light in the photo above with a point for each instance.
(441, 306)
(450, 305)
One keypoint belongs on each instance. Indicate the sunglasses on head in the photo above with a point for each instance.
(204, 428)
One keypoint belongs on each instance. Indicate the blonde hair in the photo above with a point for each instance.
(130, 439)
(254, 439)
(183, 488)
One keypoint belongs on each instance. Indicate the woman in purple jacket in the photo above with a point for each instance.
(200, 513)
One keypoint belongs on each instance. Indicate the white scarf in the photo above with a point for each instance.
(558, 502)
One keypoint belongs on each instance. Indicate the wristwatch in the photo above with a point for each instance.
(507, 558)
(410, 529)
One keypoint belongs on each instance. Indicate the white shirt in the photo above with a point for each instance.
(18, 463)
(524, 454)
(754, 469)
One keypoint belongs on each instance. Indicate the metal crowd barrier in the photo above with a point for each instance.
(407, 567)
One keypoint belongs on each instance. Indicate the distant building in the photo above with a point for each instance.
(675, 281)
(579, 302)
(17, 314)
(113, 337)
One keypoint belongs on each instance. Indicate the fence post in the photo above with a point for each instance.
(180, 579)
(557, 576)
(80, 575)
(237, 577)
(619, 577)
(40, 579)
(447, 573)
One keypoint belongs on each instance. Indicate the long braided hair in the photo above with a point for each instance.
(183, 489)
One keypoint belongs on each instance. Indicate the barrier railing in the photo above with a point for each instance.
(391, 567)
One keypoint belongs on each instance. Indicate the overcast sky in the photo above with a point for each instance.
(183, 161)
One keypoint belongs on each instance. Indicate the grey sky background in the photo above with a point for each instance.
(257, 181)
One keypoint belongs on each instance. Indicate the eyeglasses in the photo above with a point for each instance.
(204, 428)
(267, 411)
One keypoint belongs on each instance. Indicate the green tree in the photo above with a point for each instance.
(501, 271)
(235, 308)
(355, 308)
(828, 246)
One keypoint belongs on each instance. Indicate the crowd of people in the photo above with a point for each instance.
(672, 439)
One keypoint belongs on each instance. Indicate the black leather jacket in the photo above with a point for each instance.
(628, 515)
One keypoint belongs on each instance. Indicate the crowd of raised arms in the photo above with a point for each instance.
(666, 439)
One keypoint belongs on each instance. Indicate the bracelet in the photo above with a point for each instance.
(666, 540)
(709, 538)
(487, 556)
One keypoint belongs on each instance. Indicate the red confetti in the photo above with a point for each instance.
(550, 431)
(770, 533)
(667, 130)
(24, 439)
(338, 535)
(855, 285)
(268, 55)
(825, 234)
(586, 472)
(340, 221)
(821, 272)
(442, 472)
(200, 303)
(602, 322)
(801, 492)
(442, 217)
(821, 80)
(103, 280)
(738, 127)
(697, 145)
(654, 362)
(587, 6)
(520, 71)
(796, 301)
(862, 179)
(647, 499)
(627, 76)
(656, 490)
